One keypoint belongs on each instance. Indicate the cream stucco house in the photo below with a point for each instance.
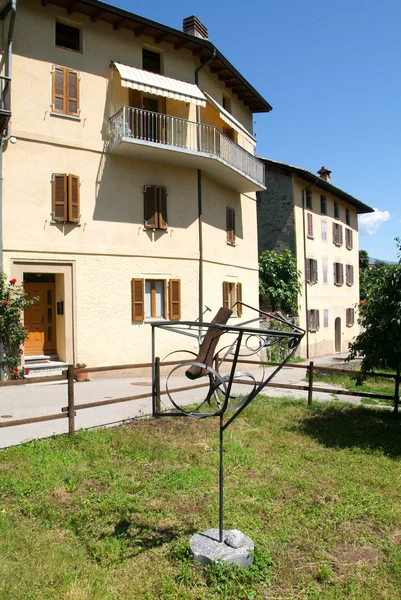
(129, 177)
(318, 222)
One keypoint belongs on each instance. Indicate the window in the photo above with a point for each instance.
(324, 231)
(325, 318)
(337, 234)
(151, 61)
(68, 36)
(230, 225)
(309, 200)
(348, 239)
(313, 320)
(149, 299)
(310, 225)
(347, 217)
(65, 198)
(324, 268)
(336, 210)
(323, 205)
(232, 293)
(338, 272)
(155, 207)
(65, 91)
(349, 317)
(349, 275)
(311, 270)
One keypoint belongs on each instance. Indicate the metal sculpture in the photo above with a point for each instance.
(244, 341)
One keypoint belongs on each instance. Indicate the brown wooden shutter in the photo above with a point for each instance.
(135, 98)
(226, 294)
(175, 299)
(310, 225)
(150, 209)
(138, 299)
(59, 197)
(162, 207)
(73, 92)
(74, 211)
(317, 319)
(340, 235)
(335, 273)
(308, 270)
(341, 266)
(334, 233)
(239, 299)
(59, 91)
(314, 271)
(230, 225)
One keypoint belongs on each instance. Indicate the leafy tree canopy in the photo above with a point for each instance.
(363, 259)
(279, 280)
(380, 317)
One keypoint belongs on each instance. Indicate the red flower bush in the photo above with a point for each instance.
(12, 281)
(5, 303)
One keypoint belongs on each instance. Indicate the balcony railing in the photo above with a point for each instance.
(164, 130)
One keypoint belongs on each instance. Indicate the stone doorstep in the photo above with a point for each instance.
(45, 368)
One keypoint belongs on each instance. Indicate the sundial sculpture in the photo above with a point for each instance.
(237, 343)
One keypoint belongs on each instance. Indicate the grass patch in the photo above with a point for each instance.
(372, 385)
(108, 514)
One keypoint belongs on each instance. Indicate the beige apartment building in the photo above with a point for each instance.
(129, 177)
(318, 222)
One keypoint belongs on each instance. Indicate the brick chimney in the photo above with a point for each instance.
(193, 26)
(325, 174)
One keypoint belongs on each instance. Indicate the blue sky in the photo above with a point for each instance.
(332, 72)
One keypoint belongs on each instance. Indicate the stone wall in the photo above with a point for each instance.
(276, 230)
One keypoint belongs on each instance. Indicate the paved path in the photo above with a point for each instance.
(34, 400)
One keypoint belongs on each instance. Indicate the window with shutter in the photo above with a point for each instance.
(338, 270)
(138, 303)
(313, 320)
(65, 198)
(174, 299)
(323, 205)
(311, 270)
(337, 234)
(349, 274)
(239, 299)
(155, 207)
(309, 199)
(310, 225)
(336, 210)
(230, 225)
(65, 91)
(348, 239)
(350, 317)
(226, 291)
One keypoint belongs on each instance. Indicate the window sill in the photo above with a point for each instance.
(310, 237)
(156, 229)
(338, 245)
(154, 319)
(66, 223)
(338, 284)
(233, 244)
(349, 247)
(349, 284)
(63, 116)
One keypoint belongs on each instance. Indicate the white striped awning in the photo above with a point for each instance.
(153, 83)
(230, 120)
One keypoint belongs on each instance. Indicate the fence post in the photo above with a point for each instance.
(397, 390)
(157, 384)
(310, 383)
(71, 404)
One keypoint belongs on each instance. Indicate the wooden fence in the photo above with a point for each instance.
(69, 411)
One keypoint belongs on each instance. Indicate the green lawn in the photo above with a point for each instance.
(108, 514)
(378, 385)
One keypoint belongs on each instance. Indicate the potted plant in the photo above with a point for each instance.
(81, 375)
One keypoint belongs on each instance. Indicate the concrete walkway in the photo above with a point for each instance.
(25, 401)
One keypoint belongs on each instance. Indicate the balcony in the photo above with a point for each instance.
(161, 138)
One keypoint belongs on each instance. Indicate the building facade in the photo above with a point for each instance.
(129, 177)
(318, 222)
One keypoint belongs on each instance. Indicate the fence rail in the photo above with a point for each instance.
(70, 410)
(165, 130)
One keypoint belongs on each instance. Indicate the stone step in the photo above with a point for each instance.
(45, 368)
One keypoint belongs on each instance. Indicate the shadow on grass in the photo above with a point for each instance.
(145, 537)
(354, 427)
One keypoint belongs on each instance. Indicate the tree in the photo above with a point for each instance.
(13, 302)
(363, 260)
(279, 280)
(380, 317)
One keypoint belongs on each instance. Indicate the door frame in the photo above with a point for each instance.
(66, 345)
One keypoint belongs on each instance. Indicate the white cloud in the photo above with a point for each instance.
(371, 222)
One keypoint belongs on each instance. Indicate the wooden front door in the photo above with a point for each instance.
(40, 319)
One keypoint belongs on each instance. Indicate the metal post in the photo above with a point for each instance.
(157, 384)
(221, 482)
(71, 406)
(310, 383)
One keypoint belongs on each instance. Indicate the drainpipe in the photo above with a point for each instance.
(13, 8)
(200, 206)
(305, 282)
